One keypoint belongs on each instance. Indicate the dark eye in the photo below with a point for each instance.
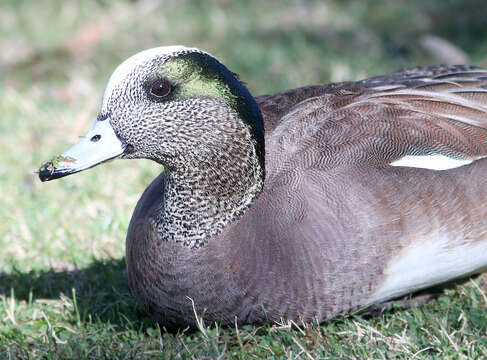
(160, 88)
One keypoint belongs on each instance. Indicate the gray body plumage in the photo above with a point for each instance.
(323, 224)
(296, 257)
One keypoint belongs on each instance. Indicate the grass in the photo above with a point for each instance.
(63, 286)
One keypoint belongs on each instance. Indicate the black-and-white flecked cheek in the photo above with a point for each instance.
(215, 167)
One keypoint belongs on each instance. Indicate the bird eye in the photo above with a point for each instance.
(160, 88)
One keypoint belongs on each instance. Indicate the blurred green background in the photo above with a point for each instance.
(63, 289)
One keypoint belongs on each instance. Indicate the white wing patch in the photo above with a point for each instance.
(432, 162)
(429, 262)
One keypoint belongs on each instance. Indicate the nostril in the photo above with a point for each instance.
(95, 138)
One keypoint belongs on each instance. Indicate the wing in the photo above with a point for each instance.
(438, 110)
(276, 106)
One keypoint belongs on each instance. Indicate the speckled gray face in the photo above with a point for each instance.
(180, 107)
(183, 97)
(166, 96)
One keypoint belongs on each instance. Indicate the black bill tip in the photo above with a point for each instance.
(49, 171)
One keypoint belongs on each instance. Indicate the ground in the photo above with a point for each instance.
(63, 284)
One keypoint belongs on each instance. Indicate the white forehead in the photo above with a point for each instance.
(125, 68)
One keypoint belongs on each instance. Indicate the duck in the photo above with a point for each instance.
(304, 205)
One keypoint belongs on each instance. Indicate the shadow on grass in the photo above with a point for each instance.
(102, 294)
(101, 291)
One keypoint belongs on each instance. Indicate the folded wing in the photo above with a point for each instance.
(428, 112)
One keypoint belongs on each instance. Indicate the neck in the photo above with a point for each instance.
(202, 198)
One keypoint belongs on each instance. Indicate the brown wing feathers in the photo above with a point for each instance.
(420, 111)
(453, 118)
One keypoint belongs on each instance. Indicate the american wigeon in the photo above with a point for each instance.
(305, 204)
